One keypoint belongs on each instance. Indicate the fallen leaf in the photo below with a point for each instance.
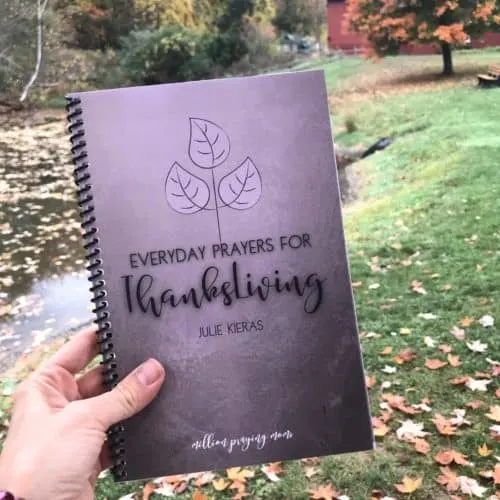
(220, 484)
(239, 486)
(495, 432)
(422, 446)
(459, 418)
(443, 425)
(272, 470)
(467, 321)
(445, 348)
(487, 320)
(405, 356)
(198, 495)
(370, 381)
(166, 491)
(203, 479)
(239, 474)
(410, 430)
(447, 457)
(417, 287)
(148, 490)
(460, 380)
(324, 492)
(474, 404)
(405, 331)
(389, 369)
(484, 451)
(434, 364)
(477, 385)
(482, 375)
(311, 471)
(470, 486)
(449, 479)
(494, 413)
(381, 431)
(454, 360)
(477, 346)
(427, 316)
(458, 333)
(409, 485)
(429, 341)
(496, 474)
(387, 350)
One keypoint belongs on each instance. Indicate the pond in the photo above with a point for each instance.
(43, 282)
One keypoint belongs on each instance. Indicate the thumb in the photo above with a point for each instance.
(130, 396)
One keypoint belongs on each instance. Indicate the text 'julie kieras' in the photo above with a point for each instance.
(145, 295)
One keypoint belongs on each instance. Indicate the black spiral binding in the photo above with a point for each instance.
(91, 245)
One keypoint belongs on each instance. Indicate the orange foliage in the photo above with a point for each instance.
(454, 33)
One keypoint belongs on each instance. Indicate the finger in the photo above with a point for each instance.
(129, 397)
(78, 352)
(91, 383)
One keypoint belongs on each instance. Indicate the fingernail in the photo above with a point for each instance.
(149, 372)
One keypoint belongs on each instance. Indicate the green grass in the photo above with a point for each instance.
(423, 200)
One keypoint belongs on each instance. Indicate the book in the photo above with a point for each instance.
(213, 226)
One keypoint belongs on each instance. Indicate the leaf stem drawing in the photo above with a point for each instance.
(209, 147)
(216, 207)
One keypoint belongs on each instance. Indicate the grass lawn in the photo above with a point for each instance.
(424, 245)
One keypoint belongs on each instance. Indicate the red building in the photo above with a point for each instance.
(348, 42)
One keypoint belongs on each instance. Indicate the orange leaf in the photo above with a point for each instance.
(445, 348)
(474, 404)
(220, 484)
(324, 492)
(494, 413)
(460, 380)
(198, 495)
(422, 446)
(449, 479)
(387, 350)
(454, 360)
(239, 474)
(148, 490)
(272, 471)
(404, 356)
(496, 474)
(434, 364)
(446, 457)
(467, 321)
(370, 381)
(311, 471)
(409, 485)
(444, 426)
(484, 451)
(237, 485)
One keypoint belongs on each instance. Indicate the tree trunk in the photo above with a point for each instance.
(447, 59)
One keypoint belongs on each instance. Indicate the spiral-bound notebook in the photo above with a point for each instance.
(213, 226)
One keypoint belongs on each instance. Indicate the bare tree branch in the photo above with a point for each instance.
(41, 5)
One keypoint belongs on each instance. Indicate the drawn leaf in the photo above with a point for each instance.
(241, 188)
(208, 143)
(186, 193)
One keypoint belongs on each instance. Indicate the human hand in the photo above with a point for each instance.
(55, 447)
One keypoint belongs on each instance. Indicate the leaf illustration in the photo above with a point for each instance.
(186, 193)
(241, 188)
(208, 143)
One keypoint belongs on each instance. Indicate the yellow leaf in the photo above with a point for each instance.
(239, 474)
(387, 350)
(409, 485)
(494, 413)
(381, 431)
(484, 451)
(220, 484)
(405, 331)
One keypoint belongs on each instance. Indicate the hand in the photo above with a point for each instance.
(55, 447)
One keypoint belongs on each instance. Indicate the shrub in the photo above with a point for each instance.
(164, 55)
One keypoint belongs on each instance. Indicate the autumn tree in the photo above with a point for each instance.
(387, 24)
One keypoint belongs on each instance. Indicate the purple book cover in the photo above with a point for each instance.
(213, 223)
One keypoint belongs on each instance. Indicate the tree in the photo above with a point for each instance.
(389, 23)
(306, 17)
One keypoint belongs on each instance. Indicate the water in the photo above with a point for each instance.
(43, 284)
